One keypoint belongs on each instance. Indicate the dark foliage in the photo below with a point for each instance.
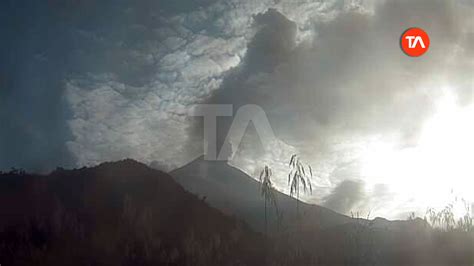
(115, 214)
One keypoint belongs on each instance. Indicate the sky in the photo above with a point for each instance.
(83, 82)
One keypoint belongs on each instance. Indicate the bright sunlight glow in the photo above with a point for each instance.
(438, 170)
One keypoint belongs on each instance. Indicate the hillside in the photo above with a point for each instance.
(125, 213)
(121, 213)
(234, 192)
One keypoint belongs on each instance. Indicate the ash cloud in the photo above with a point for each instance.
(352, 78)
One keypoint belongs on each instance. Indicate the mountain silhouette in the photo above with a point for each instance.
(235, 193)
(121, 213)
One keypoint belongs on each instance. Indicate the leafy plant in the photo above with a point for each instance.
(267, 191)
(446, 221)
(299, 177)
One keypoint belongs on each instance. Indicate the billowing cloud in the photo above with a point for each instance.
(138, 108)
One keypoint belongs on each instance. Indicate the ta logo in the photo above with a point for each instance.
(415, 42)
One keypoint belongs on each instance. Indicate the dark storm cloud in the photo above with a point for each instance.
(271, 46)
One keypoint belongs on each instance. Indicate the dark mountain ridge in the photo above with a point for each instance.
(121, 213)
